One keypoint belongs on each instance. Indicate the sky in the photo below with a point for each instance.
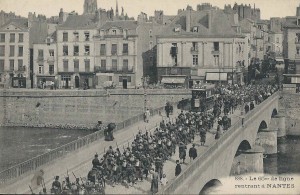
(268, 8)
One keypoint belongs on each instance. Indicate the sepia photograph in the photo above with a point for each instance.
(150, 97)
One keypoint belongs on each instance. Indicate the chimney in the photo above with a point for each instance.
(298, 11)
(210, 16)
(188, 19)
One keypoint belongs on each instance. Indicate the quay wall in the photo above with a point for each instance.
(80, 109)
(289, 105)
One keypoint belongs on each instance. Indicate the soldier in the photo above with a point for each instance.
(182, 152)
(56, 186)
(115, 174)
(138, 170)
(130, 174)
(159, 166)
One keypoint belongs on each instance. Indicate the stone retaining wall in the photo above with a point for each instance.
(80, 109)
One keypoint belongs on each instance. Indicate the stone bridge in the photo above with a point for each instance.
(245, 142)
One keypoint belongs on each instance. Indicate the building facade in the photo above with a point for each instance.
(198, 53)
(75, 52)
(15, 54)
(45, 63)
(116, 55)
(291, 48)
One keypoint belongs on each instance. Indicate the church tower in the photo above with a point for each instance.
(90, 7)
(117, 9)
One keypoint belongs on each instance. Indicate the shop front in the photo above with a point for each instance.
(18, 81)
(65, 81)
(46, 82)
(85, 80)
(170, 81)
(216, 77)
(196, 81)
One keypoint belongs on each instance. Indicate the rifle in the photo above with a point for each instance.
(74, 175)
(31, 189)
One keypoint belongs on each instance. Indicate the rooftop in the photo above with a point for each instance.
(79, 22)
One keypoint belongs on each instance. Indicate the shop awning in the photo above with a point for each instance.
(197, 78)
(177, 80)
(295, 80)
(215, 76)
(279, 60)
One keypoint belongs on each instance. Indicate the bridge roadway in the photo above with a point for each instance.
(79, 161)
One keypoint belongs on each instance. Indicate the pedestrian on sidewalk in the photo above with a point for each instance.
(202, 136)
(147, 116)
(164, 180)
(193, 153)
(177, 168)
(154, 182)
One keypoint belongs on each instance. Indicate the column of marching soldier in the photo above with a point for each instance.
(148, 151)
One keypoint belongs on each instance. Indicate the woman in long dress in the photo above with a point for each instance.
(154, 182)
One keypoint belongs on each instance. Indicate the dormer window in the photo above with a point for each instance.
(87, 36)
(48, 41)
(101, 33)
(177, 29)
(76, 36)
(195, 29)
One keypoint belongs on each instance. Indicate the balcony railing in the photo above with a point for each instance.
(22, 68)
(51, 59)
(297, 56)
(194, 49)
(40, 58)
(76, 54)
(215, 52)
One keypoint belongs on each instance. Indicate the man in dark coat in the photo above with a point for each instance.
(178, 168)
(193, 152)
(56, 186)
(96, 161)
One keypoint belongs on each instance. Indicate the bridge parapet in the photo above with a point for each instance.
(201, 164)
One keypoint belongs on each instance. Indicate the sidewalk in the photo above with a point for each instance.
(79, 162)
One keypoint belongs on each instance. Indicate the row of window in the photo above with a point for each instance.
(76, 66)
(114, 64)
(114, 49)
(216, 46)
(41, 53)
(196, 61)
(11, 50)
(109, 78)
(76, 36)
(11, 65)
(12, 37)
(51, 69)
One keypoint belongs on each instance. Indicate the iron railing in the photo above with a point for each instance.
(38, 161)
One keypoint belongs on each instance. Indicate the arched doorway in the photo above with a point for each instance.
(210, 186)
(274, 112)
(76, 81)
